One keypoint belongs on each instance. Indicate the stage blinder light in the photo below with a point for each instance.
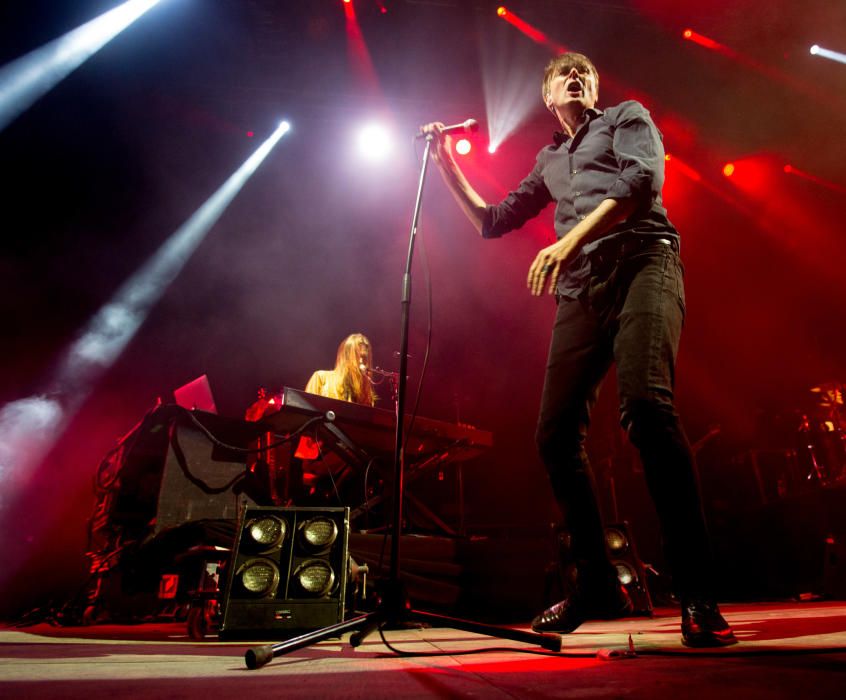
(297, 583)
(318, 533)
(463, 147)
(625, 575)
(259, 577)
(631, 573)
(564, 572)
(268, 532)
(315, 577)
(616, 541)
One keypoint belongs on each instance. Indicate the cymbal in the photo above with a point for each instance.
(830, 394)
(826, 387)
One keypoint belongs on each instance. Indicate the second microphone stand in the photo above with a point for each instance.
(394, 607)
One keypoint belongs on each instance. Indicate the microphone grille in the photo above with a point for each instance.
(471, 126)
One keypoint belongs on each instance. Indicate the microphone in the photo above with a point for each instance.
(379, 372)
(471, 126)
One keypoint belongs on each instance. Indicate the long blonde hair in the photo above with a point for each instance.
(353, 350)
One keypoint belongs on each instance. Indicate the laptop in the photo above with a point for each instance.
(196, 395)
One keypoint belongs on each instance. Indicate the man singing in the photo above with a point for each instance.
(618, 283)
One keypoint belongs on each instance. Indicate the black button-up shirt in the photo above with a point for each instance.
(615, 154)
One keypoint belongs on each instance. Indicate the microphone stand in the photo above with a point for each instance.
(393, 606)
(392, 377)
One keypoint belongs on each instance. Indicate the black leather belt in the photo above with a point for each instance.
(624, 246)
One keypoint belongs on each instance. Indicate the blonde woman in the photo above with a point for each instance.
(349, 380)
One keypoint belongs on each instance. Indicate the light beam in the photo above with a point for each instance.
(358, 53)
(26, 79)
(510, 81)
(816, 179)
(533, 33)
(29, 427)
(817, 50)
(771, 72)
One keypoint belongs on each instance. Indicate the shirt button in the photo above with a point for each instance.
(573, 172)
(578, 194)
(581, 216)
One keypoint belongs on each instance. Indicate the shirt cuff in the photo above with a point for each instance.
(489, 229)
(638, 187)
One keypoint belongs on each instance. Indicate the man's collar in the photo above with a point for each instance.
(560, 137)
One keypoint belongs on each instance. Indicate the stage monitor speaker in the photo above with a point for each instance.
(288, 573)
(630, 569)
(200, 481)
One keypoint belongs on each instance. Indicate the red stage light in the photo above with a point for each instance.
(816, 179)
(533, 33)
(728, 169)
(501, 11)
(358, 53)
(250, 134)
(708, 43)
(752, 63)
(678, 165)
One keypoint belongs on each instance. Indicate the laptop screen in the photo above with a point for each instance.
(196, 395)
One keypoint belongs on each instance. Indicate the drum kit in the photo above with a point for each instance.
(821, 448)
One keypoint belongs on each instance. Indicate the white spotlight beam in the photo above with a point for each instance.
(27, 78)
(114, 325)
(828, 53)
(510, 83)
(30, 426)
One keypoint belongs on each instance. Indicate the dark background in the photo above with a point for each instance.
(100, 171)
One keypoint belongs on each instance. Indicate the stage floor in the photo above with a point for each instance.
(786, 650)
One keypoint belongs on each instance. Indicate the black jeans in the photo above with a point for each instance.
(631, 312)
